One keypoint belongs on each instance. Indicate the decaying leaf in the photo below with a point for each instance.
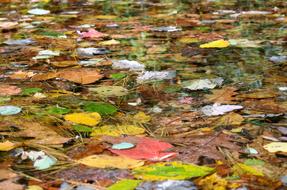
(213, 182)
(222, 96)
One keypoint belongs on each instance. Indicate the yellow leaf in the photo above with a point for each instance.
(141, 117)
(90, 119)
(276, 147)
(215, 44)
(241, 169)
(109, 42)
(34, 187)
(213, 182)
(6, 146)
(106, 161)
(188, 40)
(230, 119)
(106, 17)
(113, 130)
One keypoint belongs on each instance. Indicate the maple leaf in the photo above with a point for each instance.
(224, 95)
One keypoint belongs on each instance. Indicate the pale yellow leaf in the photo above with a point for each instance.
(106, 161)
(215, 44)
(112, 130)
(276, 147)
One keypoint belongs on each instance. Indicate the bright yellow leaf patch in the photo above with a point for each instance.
(141, 117)
(90, 119)
(6, 146)
(216, 44)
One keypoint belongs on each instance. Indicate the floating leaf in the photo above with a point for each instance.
(216, 44)
(90, 119)
(6, 146)
(106, 161)
(171, 171)
(276, 147)
(125, 184)
(9, 110)
(118, 130)
(100, 107)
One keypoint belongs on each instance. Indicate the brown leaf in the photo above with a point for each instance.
(230, 119)
(259, 94)
(40, 134)
(82, 76)
(224, 95)
(265, 106)
(206, 146)
(9, 90)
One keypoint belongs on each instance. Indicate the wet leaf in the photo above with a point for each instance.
(58, 110)
(171, 170)
(82, 128)
(222, 96)
(141, 117)
(230, 119)
(90, 119)
(105, 161)
(217, 109)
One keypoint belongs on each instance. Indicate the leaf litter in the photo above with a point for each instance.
(143, 95)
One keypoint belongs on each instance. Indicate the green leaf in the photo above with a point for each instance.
(82, 128)
(254, 162)
(58, 110)
(118, 76)
(125, 184)
(30, 91)
(171, 171)
(101, 107)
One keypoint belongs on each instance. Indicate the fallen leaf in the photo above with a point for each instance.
(6, 146)
(147, 149)
(118, 130)
(141, 117)
(213, 182)
(92, 33)
(9, 90)
(101, 107)
(201, 84)
(222, 96)
(217, 109)
(241, 169)
(82, 76)
(125, 184)
(230, 119)
(109, 91)
(276, 147)
(171, 171)
(90, 119)
(216, 44)
(105, 161)
(10, 110)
